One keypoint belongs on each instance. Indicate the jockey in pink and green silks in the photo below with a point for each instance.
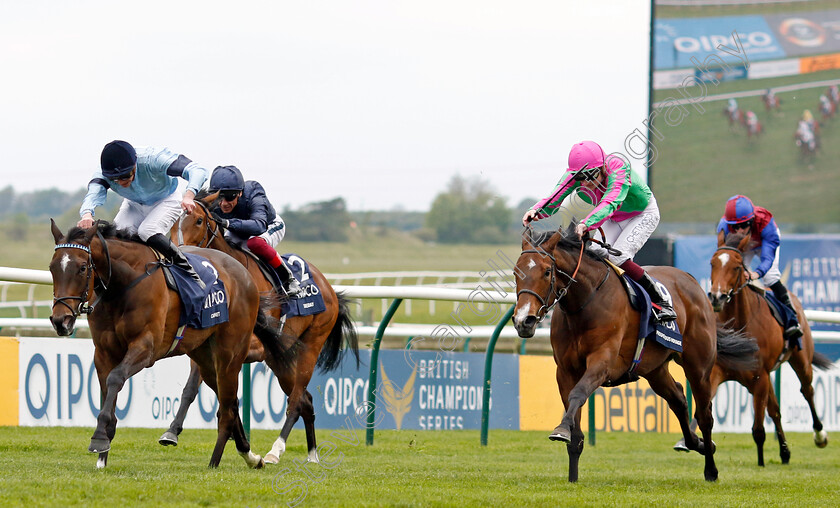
(624, 208)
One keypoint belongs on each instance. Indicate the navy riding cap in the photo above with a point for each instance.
(118, 159)
(226, 178)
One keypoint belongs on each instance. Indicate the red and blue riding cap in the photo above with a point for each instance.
(738, 209)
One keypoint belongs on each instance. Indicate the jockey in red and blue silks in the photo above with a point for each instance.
(740, 213)
(249, 219)
(624, 208)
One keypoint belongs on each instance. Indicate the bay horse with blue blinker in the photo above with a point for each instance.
(594, 333)
(739, 306)
(134, 318)
(320, 336)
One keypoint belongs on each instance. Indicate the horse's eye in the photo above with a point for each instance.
(83, 269)
(199, 221)
(547, 272)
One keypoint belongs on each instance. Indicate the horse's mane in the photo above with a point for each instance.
(107, 229)
(205, 193)
(734, 239)
(569, 239)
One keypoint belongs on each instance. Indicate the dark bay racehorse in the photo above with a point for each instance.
(133, 318)
(594, 334)
(320, 336)
(745, 309)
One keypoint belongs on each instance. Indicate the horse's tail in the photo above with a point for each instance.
(282, 346)
(331, 354)
(735, 350)
(821, 361)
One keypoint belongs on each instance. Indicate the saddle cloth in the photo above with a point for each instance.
(310, 300)
(783, 314)
(200, 308)
(666, 334)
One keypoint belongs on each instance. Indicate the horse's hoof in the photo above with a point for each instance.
(168, 439)
(681, 447)
(711, 476)
(102, 461)
(821, 439)
(260, 464)
(99, 445)
(561, 434)
(271, 459)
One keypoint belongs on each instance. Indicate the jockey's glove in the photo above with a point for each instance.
(220, 220)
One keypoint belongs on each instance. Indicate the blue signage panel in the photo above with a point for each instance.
(677, 41)
(810, 266)
(423, 390)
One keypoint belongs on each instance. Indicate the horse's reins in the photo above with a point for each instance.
(559, 295)
(732, 292)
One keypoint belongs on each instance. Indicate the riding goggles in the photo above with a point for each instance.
(588, 174)
(228, 195)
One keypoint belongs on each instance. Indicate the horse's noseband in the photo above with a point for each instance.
(552, 290)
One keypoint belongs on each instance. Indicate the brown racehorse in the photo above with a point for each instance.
(594, 335)
(134, 317)
(320, 336)
(746, 310)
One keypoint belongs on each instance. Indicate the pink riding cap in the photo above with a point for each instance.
(587, 154)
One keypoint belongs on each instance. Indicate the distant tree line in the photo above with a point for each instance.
(468, 211)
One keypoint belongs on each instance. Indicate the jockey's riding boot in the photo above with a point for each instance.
(290, 283)
(793, 332)
(657, 297)
(165, 246)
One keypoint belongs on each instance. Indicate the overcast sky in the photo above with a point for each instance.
(380, 102)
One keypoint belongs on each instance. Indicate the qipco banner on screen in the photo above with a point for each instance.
(810, 267)
(58, 385)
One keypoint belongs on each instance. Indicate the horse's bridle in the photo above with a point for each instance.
(733, 291)
(562, 292)
(209, 234)
(83, 307)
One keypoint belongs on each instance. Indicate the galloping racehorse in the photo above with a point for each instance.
(320, 336)
(134, 319)
(746, 310)
(594, 335)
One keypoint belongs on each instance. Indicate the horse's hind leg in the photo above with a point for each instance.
(666, 387)
(170, 437)
(307, 412)
(776, 415)
(804, 371)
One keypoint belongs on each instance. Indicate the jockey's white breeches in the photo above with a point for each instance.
(629, 235)
(148, 220)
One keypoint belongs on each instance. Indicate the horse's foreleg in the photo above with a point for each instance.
(595, 376)
(170, 437)
(136, 358)
(703, 413)
(759, 393)
(575, 448)
(776, 415)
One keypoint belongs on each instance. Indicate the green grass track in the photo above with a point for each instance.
(50, 467)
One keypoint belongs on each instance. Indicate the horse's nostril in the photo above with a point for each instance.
(530, 320)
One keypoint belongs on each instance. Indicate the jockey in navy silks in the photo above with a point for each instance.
(249, 219)
(739, 214)
(148, 180)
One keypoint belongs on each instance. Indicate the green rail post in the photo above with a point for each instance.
(374, 368)
(467, 344)
(246, 399)
(689, 397)
(592, 420)
(488, 368)
(522, 346)
(778, 383)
